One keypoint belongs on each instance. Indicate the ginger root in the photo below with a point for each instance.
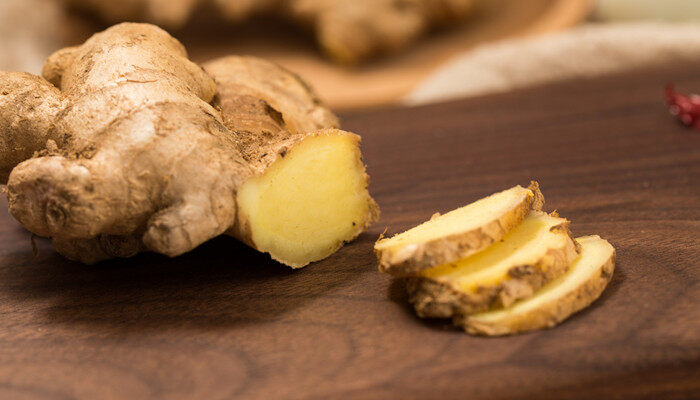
(348, 31)
(499, 265)
(141, 149)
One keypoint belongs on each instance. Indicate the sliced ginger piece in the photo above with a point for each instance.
(459, 233)
(535, 252)
(582, 284)
(309, 202)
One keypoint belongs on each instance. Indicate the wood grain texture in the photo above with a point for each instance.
(225, 322)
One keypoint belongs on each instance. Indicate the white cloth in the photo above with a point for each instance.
(583, 52)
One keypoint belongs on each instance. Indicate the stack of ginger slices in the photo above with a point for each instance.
(499, 266)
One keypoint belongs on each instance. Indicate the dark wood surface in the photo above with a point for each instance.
(225, 322)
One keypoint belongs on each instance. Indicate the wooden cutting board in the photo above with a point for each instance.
(226, 322)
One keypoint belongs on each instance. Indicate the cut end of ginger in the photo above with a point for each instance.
(583, 283)
(309, 202)
(457, 234)
(536, 251)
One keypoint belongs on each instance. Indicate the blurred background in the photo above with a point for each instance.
(370, 53)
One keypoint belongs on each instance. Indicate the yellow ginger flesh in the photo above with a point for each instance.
(526, 244)
(308, 203)
(463, 219)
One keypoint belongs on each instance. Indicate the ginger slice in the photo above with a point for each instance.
(586, 279)
(457, 234)
(535, 252)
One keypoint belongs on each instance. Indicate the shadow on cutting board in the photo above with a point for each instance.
(221, 283)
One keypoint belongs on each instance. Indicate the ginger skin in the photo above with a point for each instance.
(138, 158)
(30, 105)
(349, 32)
(134, 127)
